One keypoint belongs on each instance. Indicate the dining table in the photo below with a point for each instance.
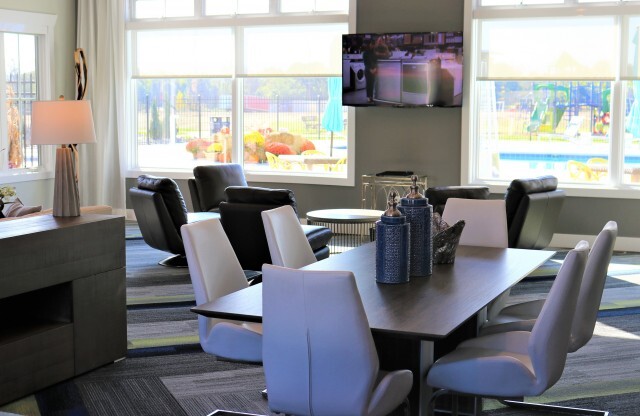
(414, 323)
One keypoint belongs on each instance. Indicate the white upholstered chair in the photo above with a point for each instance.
(215, 272)
(518, 363)
(485, 221)
(288, 244)
(522, 316)
(485, 226)
(318, 352)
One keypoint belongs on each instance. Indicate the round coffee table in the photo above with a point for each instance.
(351, 227)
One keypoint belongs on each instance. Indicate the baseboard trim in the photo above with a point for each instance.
(130, 215)
(570, 241)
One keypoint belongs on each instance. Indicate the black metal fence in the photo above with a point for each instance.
(200, 117)
(22, 90)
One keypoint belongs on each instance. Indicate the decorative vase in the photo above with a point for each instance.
(446, 240)
(392, 245)
(419, 214)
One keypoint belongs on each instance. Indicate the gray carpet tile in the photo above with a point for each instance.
(151, 315)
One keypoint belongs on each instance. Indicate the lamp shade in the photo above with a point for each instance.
(62, 122)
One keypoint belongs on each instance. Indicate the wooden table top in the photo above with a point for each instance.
(427, 308)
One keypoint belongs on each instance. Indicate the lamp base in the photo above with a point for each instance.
(66, 199)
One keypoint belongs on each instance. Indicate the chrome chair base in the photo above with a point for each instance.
(553, 409)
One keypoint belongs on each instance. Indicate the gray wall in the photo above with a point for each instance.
(41, 192)
(425, 140)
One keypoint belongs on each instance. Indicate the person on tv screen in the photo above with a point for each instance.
(372, 51)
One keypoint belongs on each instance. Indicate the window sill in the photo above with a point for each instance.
(274, 177)
(575, 190)
(24, 176)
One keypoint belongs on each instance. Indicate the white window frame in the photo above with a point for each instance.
(42, 25)
(239, 21)
(468, 172)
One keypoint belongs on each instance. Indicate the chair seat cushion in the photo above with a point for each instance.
(495, 366)
(317, 235)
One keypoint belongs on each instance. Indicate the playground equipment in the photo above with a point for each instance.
(551, 101)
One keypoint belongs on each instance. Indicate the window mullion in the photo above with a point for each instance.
(237, 114)
(4, 135)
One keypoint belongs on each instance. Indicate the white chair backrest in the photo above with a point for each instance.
(595, 275)
(485, 221)
(213, 265)
(318, 352)
(550, 335)
(288, 244)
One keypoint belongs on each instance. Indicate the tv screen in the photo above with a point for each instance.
(402, 69)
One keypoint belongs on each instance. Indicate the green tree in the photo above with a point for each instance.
(156, 126)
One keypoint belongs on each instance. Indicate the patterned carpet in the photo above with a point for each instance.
(166, 372)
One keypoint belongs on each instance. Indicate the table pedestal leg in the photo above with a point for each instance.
(397, 353)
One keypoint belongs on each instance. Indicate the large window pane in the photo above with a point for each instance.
(517, 2)
(310, 50)
(155, 9)
(632, 67)
(528, 128)
(294, 124)
(290, 6)
(21, 89)
(631, 165)
(228, 7)
(575, 48)
(181, 123)
(184, 52)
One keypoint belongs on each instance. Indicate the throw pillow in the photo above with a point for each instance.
(18, 209)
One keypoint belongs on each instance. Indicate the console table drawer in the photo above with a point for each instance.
(39, 358)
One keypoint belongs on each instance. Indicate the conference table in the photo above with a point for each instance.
(413, 324)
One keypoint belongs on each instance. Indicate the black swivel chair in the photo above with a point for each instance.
(438, 195)
(533, 206)
(160, 211)
(209, 182)
(241, 216)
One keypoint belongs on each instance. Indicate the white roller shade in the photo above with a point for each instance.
(582, 48)
(294, 50)
(183, 53)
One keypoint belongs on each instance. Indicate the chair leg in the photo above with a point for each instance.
(174, 261)
(553, 409)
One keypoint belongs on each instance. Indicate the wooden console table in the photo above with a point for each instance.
(62, 298)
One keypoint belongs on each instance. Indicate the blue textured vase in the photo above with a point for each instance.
(419, 215)
(392, 250)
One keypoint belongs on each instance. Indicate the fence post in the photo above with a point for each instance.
(199, 116)
(318, 107)
(277, 113)
(148, 127)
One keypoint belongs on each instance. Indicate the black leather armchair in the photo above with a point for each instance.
(209, 182)
(242, 221)
(438, 195)
(533, 206)
(160, 211)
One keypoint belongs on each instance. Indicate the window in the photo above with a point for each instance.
(245, 81)
(553, 89)
(24, 51)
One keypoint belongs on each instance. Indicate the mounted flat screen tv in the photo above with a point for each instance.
(402, 69)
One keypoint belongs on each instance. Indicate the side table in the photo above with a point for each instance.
(351, 227)
(375, 189)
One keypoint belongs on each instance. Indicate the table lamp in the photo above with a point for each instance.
(66, 123)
